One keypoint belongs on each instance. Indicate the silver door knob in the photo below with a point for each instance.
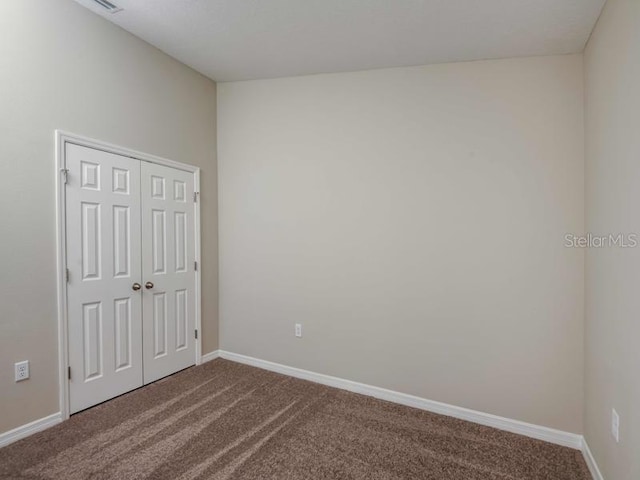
(136, 286)
(148, 285)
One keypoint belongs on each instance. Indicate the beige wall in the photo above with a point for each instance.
(413, 221)
(612, 66)
(62, 67)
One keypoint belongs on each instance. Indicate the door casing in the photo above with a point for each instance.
(61, 139)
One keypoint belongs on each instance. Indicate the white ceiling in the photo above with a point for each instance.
(247, 39)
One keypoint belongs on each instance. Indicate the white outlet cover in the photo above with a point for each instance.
(22, 370)
(615, 425)
(298, 330)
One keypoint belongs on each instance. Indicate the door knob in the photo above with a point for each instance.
(148, 285)
(136, 286)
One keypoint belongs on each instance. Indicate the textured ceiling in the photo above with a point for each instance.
(247, 39)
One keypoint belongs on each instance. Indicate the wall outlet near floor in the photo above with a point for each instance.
(22, 370)
(615, 425)
(298, 330)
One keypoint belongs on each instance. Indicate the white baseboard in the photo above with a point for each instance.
(29, 429)
(207, 357)
(547, 434)
(591, 462)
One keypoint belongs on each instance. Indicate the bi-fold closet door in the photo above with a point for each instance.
(130, 240)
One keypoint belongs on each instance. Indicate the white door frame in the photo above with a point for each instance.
(61, 139)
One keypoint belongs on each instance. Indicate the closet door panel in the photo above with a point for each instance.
(168, 270)
(103, 232)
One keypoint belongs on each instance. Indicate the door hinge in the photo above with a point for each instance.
(196, 332)
(195, 266)
(68, 275)
(69, 373)
(65, 175)
(195, 196)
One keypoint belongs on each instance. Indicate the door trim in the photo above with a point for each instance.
(61, 139)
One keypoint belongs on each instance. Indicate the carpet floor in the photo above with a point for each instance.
(223, 420)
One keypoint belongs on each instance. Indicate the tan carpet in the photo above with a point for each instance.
(224, 420)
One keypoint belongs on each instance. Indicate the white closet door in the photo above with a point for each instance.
(103, 258)
(168, 270)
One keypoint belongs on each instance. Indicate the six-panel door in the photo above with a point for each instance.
(168, 266)
(103, 258)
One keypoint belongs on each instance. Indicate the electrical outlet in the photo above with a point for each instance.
(22, 370)
(298, 330)
(615, 425)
